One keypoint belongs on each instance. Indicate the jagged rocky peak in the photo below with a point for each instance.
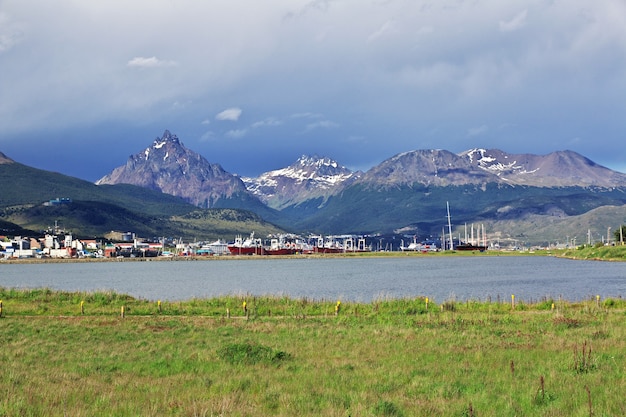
(168, 166)
(317, 166)
(167, 137)
(163, 144)
(312, 169)
(314, 160)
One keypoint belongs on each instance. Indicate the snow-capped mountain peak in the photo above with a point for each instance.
(308, 177)
(561, 168)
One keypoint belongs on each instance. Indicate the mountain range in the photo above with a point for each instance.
(406, 194)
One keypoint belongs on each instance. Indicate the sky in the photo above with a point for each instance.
(253, 85)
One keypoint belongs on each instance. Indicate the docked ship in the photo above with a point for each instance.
(340, 245)
(470, 247)
(415, 246)
(248, 246)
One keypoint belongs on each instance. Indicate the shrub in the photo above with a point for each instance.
(250, 353)
(386, 408)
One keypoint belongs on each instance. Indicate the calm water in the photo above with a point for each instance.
(364, 279)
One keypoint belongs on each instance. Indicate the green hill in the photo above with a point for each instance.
(96, 210)
(23, 185)
(364, 209)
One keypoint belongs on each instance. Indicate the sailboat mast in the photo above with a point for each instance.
(484, 236)
(449, 226)
(465, 232)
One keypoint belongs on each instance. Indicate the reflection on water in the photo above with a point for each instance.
(356, 279)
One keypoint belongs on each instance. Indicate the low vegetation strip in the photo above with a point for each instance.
(75, 354)
(597, 252)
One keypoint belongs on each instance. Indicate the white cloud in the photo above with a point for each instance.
(152, 62)
(231, 114)
(322, 124)
(516, 23)
(268, 122)
(236, 133)
(385, 70)
(207, 136)
(387, 27)
(306, 115)
(10, 33)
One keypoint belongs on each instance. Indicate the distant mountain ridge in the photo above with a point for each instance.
(480, 166)
(310, 177)
(407, 191)
(560, 168)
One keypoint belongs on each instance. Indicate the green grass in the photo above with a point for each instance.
(286, 357)
(615, 253)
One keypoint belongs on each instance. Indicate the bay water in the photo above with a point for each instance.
(481, 278)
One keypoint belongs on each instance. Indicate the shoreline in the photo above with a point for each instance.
(606, 254)
(264, 257)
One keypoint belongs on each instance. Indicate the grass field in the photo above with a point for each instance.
(76, 354)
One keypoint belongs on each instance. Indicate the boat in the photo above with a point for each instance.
(470, 244)
(423, 247)
(328, 245)
(280, 247)
(414, 246)
(217, 247)
(333, 245)
(470, 247)
(280, 251)
(325, 249)
(248, 246)
(359, 247)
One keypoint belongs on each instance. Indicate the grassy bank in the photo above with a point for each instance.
(287, 357)
(600, 253)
